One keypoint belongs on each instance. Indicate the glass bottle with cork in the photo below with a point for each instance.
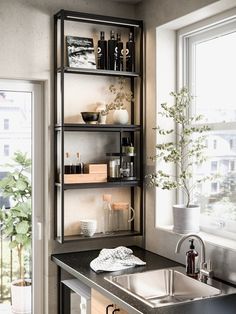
(79, 165)
(68, 164)
(108, 214)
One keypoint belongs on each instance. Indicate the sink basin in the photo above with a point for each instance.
(163, 287)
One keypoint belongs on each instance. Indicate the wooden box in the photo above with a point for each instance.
(96, 168)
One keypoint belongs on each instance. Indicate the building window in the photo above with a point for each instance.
(6, 124)
(214, 186)
(214, 165)
(209, 71)
(232, 165)
(214, 144)
(6, 150)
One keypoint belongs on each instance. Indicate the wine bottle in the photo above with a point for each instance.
(119, 54)
(130, 54)
(102, 52)
(111, 51)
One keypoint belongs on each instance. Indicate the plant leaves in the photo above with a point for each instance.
(22, 227)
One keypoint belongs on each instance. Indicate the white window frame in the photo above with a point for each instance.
(37, 150)
(185, 55)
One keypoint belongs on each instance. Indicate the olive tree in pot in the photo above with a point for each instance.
(15, 225)
(185, 153)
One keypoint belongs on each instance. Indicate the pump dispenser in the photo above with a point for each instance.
(191, 261)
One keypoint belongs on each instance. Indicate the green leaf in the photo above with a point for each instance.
(12, 244)
(21, 238)
(22, 227)
(8, 231)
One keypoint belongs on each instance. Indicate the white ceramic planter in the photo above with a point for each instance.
(186, 220)
(120, 116)
(21, 297)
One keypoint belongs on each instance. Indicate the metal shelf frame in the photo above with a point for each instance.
(60, 72)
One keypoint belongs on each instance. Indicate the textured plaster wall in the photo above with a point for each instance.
(26, 32)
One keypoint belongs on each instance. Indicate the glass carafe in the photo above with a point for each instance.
(123, 214)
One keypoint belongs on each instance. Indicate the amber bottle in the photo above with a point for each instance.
(191, 261)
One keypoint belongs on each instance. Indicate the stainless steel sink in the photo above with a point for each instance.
(164, 286)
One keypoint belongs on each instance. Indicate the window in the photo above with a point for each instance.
(6, 124)
(209, 72)
(6, 150)
(214, 166)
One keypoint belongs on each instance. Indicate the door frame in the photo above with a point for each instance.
(37, 151)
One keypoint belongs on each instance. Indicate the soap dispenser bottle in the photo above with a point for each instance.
(191, 261)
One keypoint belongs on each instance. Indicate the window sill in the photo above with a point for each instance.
(211, 239)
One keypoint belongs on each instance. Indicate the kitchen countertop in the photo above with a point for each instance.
(77, 264)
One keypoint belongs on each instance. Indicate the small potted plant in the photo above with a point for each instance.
(16, 225)
(185, 153)
(122, 95)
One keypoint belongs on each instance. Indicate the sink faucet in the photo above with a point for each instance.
(205, 270)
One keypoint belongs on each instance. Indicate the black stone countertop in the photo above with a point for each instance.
(77, 264)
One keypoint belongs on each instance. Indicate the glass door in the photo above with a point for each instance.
(21, 196)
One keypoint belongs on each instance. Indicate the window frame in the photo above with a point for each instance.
(186, 39)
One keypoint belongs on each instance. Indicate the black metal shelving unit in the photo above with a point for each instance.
(61, 71)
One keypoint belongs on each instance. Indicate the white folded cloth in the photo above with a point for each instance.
(115, 259)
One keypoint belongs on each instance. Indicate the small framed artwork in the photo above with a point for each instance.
(80, 52)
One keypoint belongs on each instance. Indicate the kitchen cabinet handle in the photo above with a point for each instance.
(107, 308)
(116, 310)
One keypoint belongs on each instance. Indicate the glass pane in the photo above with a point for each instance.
(15, 166)
(215, 68)
(218, 196)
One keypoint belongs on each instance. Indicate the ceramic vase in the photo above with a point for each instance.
(120, 116)
(186, 219)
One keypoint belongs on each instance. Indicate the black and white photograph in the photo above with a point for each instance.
(80, 51)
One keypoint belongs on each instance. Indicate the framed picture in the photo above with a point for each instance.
(80, 52)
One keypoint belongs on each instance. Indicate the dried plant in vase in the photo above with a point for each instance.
(122, 96)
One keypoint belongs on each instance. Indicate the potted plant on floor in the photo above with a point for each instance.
(15, 225)
(185, 153)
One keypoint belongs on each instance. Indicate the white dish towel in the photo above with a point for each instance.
(115, 259)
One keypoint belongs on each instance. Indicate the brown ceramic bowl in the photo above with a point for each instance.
(90, 117)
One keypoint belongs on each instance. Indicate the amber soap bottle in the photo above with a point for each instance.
(192, 261)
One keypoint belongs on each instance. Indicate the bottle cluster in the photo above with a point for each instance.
(73, 165)
(112, 55)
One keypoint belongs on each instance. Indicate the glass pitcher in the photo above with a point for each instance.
(123, 214)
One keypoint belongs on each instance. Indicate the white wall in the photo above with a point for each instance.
(162, 18)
